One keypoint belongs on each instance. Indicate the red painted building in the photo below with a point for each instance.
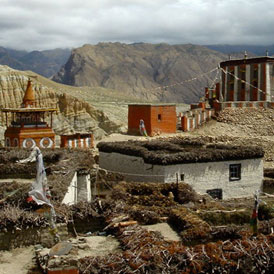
(247, 82)
(258, 72)
(26, 126)
(158, 118)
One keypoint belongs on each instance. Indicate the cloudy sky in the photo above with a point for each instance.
(48, 24)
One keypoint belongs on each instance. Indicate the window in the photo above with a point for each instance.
(231, 76)
(231, 86)
(242, 74)
(159, 117)
(235, 172)
(7, 142)
(255, 73)
(182, 177)
(15, 142)
(216, 193)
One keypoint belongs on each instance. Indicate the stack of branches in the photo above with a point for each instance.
(149, 203)
(175, 192)
(13, 193)
(223, 217)
(12, 217)
(269, 172)
(148, 252)
(181, 150)
(190, 226)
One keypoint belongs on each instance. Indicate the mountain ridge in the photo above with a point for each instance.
(240, 49)
(139, 69)
(46, 62)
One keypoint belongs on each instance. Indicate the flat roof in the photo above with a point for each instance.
(28, 109)
(253, 60)
(180, 150)
(153, 104)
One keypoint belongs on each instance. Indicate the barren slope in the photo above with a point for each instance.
(251, 126)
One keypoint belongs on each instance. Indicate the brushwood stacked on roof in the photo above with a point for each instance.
(181, 150)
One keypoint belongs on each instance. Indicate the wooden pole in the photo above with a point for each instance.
(51, 120)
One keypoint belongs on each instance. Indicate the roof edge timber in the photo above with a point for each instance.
(254, 60)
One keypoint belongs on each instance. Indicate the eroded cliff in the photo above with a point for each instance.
(73, 114)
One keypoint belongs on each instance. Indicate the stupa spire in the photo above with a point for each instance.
(29, 98)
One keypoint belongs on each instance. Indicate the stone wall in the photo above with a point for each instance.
(157, 118)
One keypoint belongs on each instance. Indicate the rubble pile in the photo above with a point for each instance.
(65, 255)
(257, 121)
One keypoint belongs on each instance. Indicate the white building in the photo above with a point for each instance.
(221, 170)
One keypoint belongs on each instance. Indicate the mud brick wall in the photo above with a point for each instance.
(163, 120)
(157, 118)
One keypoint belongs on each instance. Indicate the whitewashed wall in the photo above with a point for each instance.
(211, 175)
(129, 165)
(71, 195)
(83, 188)
(78, 190)
(201, 176)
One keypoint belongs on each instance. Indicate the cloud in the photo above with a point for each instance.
(40, 24)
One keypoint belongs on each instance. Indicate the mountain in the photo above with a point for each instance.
(7, 58)
(232, 49)
(46, 63)
(140, 69)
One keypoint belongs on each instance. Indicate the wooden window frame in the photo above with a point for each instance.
(235, 172)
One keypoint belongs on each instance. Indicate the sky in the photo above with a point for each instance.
(48, 24)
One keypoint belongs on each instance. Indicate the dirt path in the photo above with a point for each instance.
(166, 231)
(16, 261)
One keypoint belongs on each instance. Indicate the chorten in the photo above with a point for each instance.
(26, 126)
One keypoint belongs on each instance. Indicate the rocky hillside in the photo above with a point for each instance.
(73, 115)
(46, 62)
(138, 69)
(244, 126)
